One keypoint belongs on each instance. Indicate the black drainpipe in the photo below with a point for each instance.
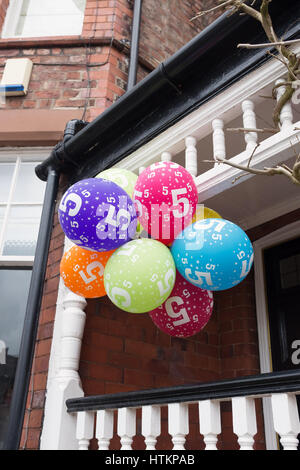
(31, 320)
(134, 47)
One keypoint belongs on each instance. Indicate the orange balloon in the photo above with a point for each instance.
(82, 271)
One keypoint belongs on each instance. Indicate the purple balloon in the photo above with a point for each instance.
(97, 214)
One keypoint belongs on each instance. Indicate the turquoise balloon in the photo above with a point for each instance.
(213, 254)
(139, 277)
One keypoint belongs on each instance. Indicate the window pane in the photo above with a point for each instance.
(6, 173)
(28, 187)
(51, 17)
(290, 272)
(2, 211)
(14, 286)
(22, 231)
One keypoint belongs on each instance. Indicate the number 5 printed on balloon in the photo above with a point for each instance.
(119, 292)
(182, 312)
(169, 281)
(88, 276)
(74, 205)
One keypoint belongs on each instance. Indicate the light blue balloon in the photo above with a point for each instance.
(214, 254)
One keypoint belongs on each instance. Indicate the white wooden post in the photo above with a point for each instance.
(210, 422)
(249, 122)
(104, 428)
(126, 427)
(244, 421)
(191, 155)
(59, 428)
(178, 424)
(166, 157)
(84, 429)
(286, 419)
(286, 115)
(150, 425)
(219, 149)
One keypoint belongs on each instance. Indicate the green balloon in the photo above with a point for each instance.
(140, 275)
(124, 178)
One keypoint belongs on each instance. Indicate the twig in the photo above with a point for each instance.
(204, 12)
(242, 129)
(293, 175)
(279, 43)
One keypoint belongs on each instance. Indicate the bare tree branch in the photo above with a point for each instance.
(279, 43)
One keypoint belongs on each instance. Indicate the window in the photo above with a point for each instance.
(21, 200)
(33, 18)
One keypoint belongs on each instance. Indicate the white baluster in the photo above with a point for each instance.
(286, 115)
(84, 429)
(210, 422)
(191, 155)
(244, 421)
(104, 428)
(126, 427)
(219, 148)
(249, 122)
(286, 419)
(72, 331)
(178, 424)
(166, 157)
(150, 425)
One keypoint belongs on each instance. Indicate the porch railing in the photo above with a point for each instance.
(96, 414)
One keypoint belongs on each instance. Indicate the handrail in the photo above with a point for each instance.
(263, 384)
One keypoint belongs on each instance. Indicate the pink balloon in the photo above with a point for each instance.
(186, 311)
(165, 197)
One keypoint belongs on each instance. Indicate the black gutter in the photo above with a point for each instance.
(263, 384)
(134, 46)
(26, 352)
(200, 70)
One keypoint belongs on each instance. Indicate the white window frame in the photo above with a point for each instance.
(12, 18)
(277, 237)
(31, 154)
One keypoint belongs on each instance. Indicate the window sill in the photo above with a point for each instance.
(52, 41)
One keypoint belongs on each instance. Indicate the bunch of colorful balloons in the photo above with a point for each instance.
(188, 251)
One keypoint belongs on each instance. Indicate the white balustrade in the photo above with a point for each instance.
(104, 428)
(249, 122)
(126, 427)
(286, 115)
(210, 422)
(286, 419)
(191, 155)
(150, 425)
(219, 148)
(244, 421)
(178, 424)
(84, 429)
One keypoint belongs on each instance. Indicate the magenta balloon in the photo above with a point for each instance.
(186, 311)
(165, 197)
